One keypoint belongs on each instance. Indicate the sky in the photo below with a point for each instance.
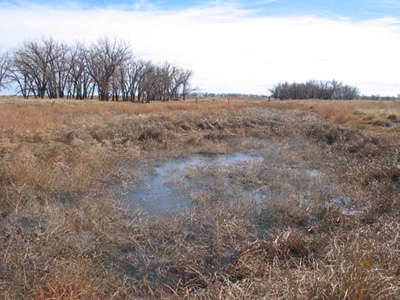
(232, 46)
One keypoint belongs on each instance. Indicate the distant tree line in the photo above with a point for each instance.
(381, 98)
(224, 95)
(106, 68)
(327, 90)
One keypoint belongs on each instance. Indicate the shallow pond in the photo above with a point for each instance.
(162, 189)
(201, 180)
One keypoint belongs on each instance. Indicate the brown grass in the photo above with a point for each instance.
(65, 235)
(381, 116)
(66, 289)
(43, 115)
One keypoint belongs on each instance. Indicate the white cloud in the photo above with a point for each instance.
(143, 5)
(228, 48)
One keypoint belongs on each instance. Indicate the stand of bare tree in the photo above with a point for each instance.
(4, 70)
(107, 68)
(327, 90)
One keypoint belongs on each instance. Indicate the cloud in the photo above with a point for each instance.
(143, 5)
(228, 48)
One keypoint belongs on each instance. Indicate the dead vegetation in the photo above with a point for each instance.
(63, 235)
(376, 116)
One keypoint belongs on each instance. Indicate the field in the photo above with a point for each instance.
(279, 200)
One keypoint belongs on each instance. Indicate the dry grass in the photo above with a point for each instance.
(66, 288)
(37, 115)
(63, 235)
(381, 116)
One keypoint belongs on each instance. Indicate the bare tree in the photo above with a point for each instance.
(36, 60)
(348, 92)
(103, 59)
(4, 70)
(80, 83)
(20, 75)
(186, 88)
(314, 90)
(107, 68)
(61, 69)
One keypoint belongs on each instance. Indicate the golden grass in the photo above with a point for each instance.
(63, 235)
(382, 116)
(64, 288)
(42, 115)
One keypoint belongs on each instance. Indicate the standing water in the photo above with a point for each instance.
(161, 191)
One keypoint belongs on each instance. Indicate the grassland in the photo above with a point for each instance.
(373, 115)
(65, 235)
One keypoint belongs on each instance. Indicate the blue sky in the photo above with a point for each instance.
(232, 46)
(355, 9)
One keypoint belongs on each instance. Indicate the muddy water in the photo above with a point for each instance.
(204, 179)
(163, 189)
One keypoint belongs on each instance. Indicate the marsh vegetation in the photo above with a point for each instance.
(279, 200)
